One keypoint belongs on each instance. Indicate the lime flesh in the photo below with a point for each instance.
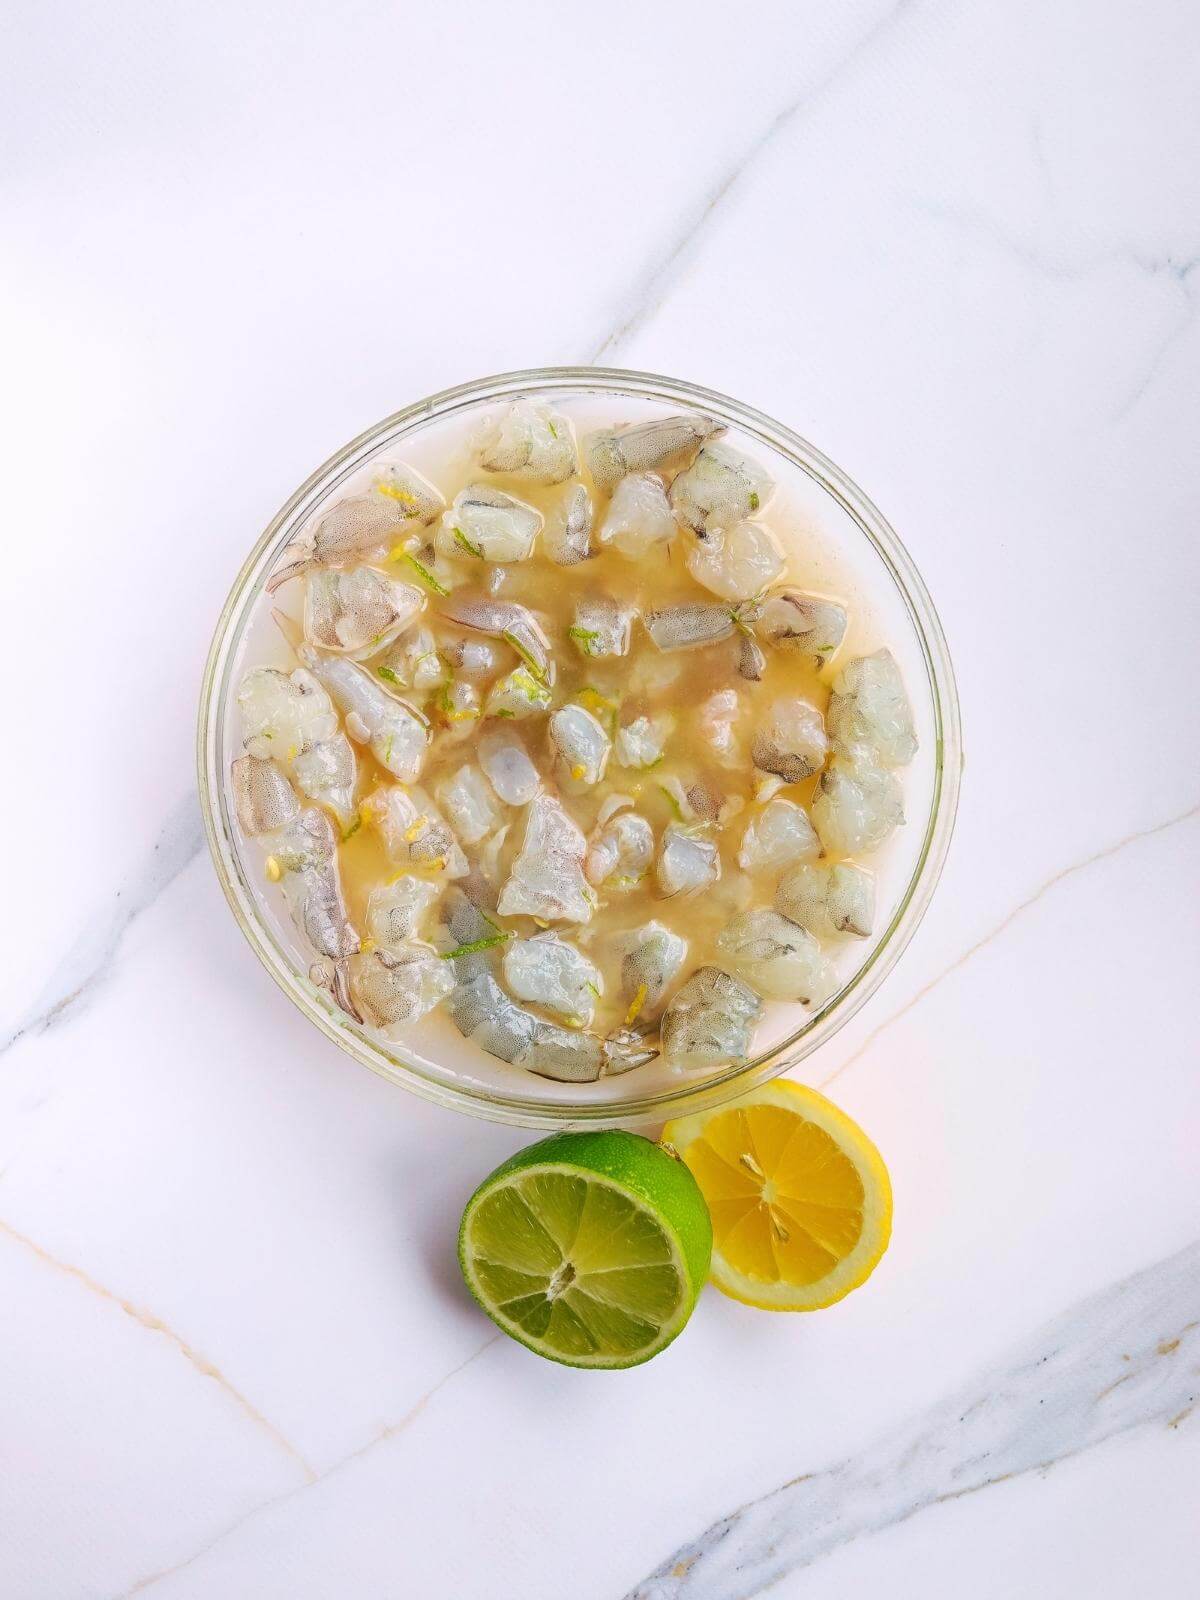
(589, 1248)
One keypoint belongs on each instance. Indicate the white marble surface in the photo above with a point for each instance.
(956, 245)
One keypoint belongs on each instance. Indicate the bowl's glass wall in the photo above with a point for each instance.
(867, 565)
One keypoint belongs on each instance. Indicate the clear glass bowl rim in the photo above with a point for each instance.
(684, 1098)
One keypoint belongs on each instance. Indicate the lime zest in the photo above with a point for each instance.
(488, 943)
(473, 549)
(421, 570)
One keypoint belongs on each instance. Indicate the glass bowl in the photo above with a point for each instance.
(816, 496)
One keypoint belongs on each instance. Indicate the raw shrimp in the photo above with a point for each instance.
(620, 852)
(737, 563)
(777, 958)
(720, 488)
(304, 855)
(518, 694)
(614, 452)
(284, 713)
(263, 798)
(790, 741)
(829, 900)
(709, 1021)
(580, 745)
(567, 537)
(357, 613)
(327, 773)
(470, 803)
(688, 626)
(507, 767)
(515, 624)
(397, 732)
(688, 861)
(412, 830)
(490, 525)
(602, 626)
(778, 836)
(547, 877)
(399, 984)
(400, 499)
(553, 973)
(869, 713)
(483, 1013)
(395, 909)
(639, 517)
(639, 745)
(653, 959)
(857, 805)
(804, 622)
(530, 441)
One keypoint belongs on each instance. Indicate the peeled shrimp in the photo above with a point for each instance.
(397, 732)
(614, 452)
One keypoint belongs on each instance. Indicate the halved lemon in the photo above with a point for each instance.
(800, 1198)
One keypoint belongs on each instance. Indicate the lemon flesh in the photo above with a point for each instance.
(800, 1199)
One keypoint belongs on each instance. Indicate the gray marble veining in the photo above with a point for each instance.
(90, 958)
(1124, 1358)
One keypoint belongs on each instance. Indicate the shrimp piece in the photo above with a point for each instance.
(515, 624)
(474, 658)
(777, 958)
(735, 563)
(716, 722)
(327, 773)
(856, 806)
(720, 488)
(829, 900)
(358, 613)
(567, 537)
(263, 798)
(412, 830)
(613, 452)
(620, 852)
(529, 441)
(400, 499)
(779, 836)
(791, 741)
(602, 626)
(687, 861)
(284, 714)
(469, 801)
(869, 713)
(638, 517)
(489, 525)
(413, 662)
(507, 767)
(397, 733)
(547, 878)
(580, 747)
(552, 973)
(689, 626)
(305, 853)
(472, 934)
(483, 1013)
(401, 984)
(653, 959)
(709, 1022)
(395, 909)
(752, 663)
(519, 694)
(639, 745)
(804, 622)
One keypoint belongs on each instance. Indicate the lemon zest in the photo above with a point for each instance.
(639, 1000)
(273, 869)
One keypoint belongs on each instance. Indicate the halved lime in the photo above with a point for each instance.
(589, 1248)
